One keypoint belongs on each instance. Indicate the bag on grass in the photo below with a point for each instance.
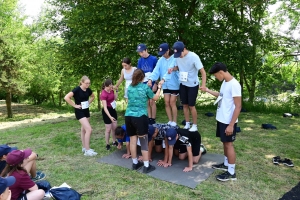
(44, 185)
(64, 193)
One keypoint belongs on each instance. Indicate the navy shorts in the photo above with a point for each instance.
(136, 125)
(172, 92)
(188, 95)
(221, 132)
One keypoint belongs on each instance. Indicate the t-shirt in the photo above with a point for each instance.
(162, 128)
(23, 182)
(126, 138)
(138, 96)
(186, 137)
(191, 64)
(80, 95)
(2, 165)
(226, 105)
(108, 96)
(128, 76)
(147, 65)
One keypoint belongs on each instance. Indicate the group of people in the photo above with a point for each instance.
(19, 174)
(175, 73)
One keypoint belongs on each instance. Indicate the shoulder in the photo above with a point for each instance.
(76, 89)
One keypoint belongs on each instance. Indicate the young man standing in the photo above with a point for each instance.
(147, 63)
(188, 63)
(229, 101)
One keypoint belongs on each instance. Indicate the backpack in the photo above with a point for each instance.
(64, 193)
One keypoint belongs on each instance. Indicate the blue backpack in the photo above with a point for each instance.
(64, 193)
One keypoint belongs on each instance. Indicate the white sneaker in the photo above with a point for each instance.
(187, 125)
(194, 128)
(83, 150)
(173, 124)
(90, 152)
(170, 123)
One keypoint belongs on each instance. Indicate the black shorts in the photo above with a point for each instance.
(172, 92)
(81, 113)
(221, 132)
(112, 113)
(136, 125)
(158, 142)
(195, 140)
(188, 95)
(22, 197)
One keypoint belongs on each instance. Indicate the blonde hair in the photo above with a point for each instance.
(84, 78)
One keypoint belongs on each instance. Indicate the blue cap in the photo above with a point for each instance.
(151, 130)
(5, 149)
(163, 48)
(171, 136)
(141, 47)
(178, 48)
(6, 182)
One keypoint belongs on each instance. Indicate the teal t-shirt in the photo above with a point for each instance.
(137, 100)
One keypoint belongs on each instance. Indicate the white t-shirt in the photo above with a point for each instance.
(226, 105)
(191, 64)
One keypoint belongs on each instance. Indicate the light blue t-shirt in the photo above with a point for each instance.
(138, 96)
(161, 72)
(191, 64)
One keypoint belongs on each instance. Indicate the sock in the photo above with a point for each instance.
(135, 160)
(225, 161)
(146, 163)
(231, 168)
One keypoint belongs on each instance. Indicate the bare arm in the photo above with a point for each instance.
(116, 94)
(190, 158)
(91, 99)
(156, 96)
(235, 115)
(121, 79)
(203, 75)
(214, 93)
(69, 101)
(35, 187)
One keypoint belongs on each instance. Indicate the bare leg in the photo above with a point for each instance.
(149, 109)
(194, 114)
(229, 152)
(29, 164)
(85, 123)
(113, 129)
(35, 194)
(107, 132)
(173, 107)
(133, 140)
(153, 108)
(167, 106)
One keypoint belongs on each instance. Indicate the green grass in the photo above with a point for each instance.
(57, 141)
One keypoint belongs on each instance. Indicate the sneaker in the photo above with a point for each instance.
(276, 160)
(137, 166)
(226, 176)
(83, 149)
(220, 167)
(107, 147)
(288, 162)
(169, 123)
(173, 124)
(187, 125)
(194, 128)
(202, 149)
(39, 176)
(148, 169)
(90, 152)
(115, 143)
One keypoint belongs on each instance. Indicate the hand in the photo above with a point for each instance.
(149, 83)
(9, 195)
(140, 158)
(188, 169)
(161, 163)
(203, 88)
(119, 146)
(77, 106)
(229, 130)
(113, 120)
(115, 87)
(161, 83)
(170, 70)
(126, 156)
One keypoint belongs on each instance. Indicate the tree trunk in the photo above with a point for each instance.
(8, 105)
(60, 98)
(53, 100)
(98, 100)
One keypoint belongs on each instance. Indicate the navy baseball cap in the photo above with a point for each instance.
(6, 182)
(141, 47)
(163, 48)
(178, 48)
(171, 136)
(5, 149)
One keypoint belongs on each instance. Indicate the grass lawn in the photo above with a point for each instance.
(57, 141)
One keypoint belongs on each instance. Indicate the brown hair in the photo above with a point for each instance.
(10, 169)
(106, 83)
(84, 78)
(137, 77)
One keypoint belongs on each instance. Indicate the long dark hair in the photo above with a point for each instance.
(106, 83)
(10, 169)
(137, 77)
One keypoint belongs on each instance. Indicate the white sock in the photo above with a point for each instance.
(135, 160)
(146, 163)
(187, 123)
(231, 168)
(226, 161)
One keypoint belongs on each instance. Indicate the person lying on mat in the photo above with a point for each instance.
(184, 144)
(122, 137)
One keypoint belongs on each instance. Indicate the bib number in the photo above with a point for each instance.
(84, 104)
(183, 76)
(113, 104)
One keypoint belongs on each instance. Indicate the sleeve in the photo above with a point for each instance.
(90, 91)
(198, 63)
(155, 74)
(168, 76)
(103, 96)
(75, 91)
(236, 90)
(155, 60)
(149, 92)
(25, 183)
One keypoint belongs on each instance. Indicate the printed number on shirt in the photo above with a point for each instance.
(84, 104)
(113, 104)
(183, 76)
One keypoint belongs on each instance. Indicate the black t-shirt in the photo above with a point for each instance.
(80, 95)
(186, 137)
(2, 165)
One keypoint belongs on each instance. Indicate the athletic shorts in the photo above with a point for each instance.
(195, 141)
(81, 113)
(158, 142)
(221, 132)
(112, 113)
(22, 197)
(136, 125)
(188, 95)
(172, 92)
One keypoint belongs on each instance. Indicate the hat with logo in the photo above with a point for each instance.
(163, 48)
(17, 156)
(141, 47)
(5, 149)
(171, 134)
(6, 182)
(178, 48)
